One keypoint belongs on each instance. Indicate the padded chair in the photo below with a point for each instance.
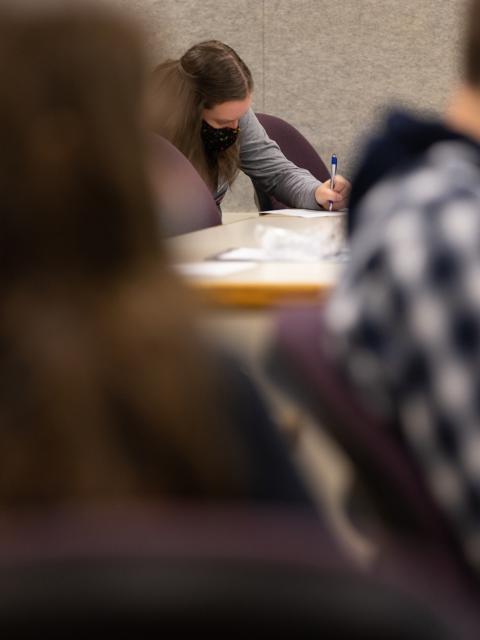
(387, 472)
(184, 201)
(296, 148)
(231, 572)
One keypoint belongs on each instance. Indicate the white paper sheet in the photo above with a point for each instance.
(244, 254)
(306, 213)
(211, 269)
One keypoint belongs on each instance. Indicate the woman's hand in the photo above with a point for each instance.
(338, 195)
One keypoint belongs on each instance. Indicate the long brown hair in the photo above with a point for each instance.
(71, 141)
(105, 389)
(208, 74)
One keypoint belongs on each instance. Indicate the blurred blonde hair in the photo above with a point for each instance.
(106, 391)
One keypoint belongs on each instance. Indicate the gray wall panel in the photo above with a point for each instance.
(329, 67)
(174, 25)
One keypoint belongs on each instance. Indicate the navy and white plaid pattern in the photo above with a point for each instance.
(405, 321)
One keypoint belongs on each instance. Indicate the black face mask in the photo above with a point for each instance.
(215, 140)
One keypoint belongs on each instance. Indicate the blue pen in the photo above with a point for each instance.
(333, 173)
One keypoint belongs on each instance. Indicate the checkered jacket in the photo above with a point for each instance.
(405, 320)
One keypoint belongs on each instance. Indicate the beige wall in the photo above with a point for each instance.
(327, 67)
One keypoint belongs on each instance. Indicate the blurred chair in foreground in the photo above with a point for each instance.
(296, 148)
(141, 572)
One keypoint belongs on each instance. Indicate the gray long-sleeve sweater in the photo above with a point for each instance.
(264, 163)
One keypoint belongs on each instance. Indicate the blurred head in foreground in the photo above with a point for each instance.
(104, 392)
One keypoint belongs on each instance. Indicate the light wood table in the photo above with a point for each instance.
(265, 283)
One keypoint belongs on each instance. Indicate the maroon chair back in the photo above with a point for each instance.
(184, 201)
(296, 148)
(226, 572)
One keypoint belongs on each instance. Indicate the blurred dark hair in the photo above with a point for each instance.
(105, 389)
(73, 190)
(472, 50)
(209, 73)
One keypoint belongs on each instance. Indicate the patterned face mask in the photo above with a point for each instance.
(216, 140)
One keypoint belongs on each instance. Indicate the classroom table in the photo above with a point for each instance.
(263, 284)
